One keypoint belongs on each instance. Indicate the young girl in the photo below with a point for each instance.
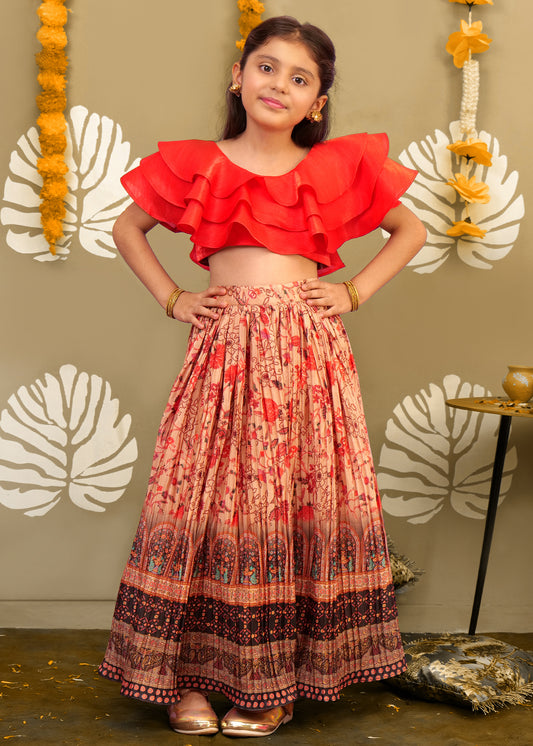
(259, 568)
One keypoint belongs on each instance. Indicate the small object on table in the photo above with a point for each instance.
(518, 383)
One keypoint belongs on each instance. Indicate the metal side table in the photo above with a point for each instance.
(506, 409)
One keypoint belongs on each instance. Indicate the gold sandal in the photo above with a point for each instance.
(251, 723)
(192, 719)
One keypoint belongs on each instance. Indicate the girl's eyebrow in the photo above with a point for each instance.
(296, 69)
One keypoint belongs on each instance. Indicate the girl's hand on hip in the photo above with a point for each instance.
(191, 306)
(333, 297)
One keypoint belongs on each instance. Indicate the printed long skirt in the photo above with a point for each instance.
(260, 567)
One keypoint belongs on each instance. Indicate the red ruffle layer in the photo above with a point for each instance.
(342, 189)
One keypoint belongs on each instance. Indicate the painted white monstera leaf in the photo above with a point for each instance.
(438, 205)
(62, 435)
(435, 455)
(96, 157)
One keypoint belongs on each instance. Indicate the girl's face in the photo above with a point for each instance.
(279, 84)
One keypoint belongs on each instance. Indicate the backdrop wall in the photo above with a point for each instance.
(88, 358)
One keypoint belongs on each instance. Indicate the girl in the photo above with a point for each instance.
(259, 568)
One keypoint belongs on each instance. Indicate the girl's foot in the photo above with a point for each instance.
(239, 722)
(193, 715)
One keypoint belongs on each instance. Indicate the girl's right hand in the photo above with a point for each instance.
(190, 306)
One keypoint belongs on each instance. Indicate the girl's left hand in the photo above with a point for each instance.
(332, 296)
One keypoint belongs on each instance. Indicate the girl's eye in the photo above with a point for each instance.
(300, 81)
(265, 68)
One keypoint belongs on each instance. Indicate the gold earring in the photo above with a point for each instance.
(314, 116)
(235, 88)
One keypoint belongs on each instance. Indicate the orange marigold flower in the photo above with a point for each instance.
(461, 44)
(52, 14)
(51, 144)
(472, 150)
(54, 190)
(52, 122)
(466, 228)
(52, 63)
(52, 37)
(51, 81)
(50, 101)
(470, 189)
(52, 60)
(473, 2)
(52, 229)
(53, 209)
(250, 18)
(52, 166)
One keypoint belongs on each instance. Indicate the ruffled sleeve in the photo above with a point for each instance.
(341, 190)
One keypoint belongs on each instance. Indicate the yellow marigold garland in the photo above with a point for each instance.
(462, 44)
(52, 62)
(250, 18)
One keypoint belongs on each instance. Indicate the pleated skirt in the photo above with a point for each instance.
(260, 567)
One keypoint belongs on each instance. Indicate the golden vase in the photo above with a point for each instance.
(518, 383)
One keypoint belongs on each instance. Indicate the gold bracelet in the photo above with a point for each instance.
(354, 295)
(171, 302)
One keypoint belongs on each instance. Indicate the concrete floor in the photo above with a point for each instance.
(50, 693)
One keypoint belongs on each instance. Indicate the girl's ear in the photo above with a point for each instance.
(236, 73)
(319, 103)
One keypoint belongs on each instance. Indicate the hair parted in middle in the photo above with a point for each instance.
(306, 133)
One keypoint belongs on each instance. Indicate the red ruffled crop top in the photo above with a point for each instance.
(342, 189)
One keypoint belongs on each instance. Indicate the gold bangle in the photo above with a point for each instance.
(354, 295)
(171, 302)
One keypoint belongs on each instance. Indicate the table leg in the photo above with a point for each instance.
(497, 473)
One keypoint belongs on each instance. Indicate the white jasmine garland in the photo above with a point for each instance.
(470, 98)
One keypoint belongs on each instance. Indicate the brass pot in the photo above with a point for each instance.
(518, 383)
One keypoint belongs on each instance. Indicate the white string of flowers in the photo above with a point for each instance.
(470, 98)
(469, 150)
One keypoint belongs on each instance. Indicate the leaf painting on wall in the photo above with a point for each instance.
(435, 456)
(96, 157)
(63, 435)
(438, 205)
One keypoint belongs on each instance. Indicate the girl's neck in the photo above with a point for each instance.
(263, 152)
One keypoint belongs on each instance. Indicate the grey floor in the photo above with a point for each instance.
(50, 693)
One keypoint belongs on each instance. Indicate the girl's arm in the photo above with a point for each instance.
(129, 233)
(407, 236)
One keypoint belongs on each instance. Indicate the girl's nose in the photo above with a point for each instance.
(279, 83)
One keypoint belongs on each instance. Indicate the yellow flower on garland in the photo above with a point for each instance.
(473, 2)
(466, 228)
(250, 18)
(472, 150)
(469, 40)
(52, 62)
(470, 189)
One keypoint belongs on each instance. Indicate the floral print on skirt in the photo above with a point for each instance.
(260, 567)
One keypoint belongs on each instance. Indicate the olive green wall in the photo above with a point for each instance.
(159, 70)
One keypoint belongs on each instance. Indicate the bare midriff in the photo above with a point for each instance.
(255, 265)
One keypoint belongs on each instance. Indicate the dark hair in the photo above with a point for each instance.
(321, 49)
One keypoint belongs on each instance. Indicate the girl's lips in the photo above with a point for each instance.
(274, 103)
